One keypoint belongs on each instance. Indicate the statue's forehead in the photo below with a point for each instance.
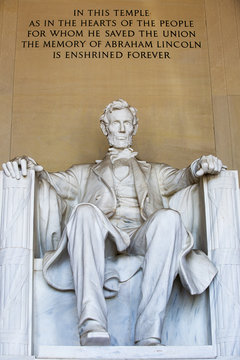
(121, 114)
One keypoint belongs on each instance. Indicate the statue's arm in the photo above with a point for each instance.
(68, 184)
(172, 180)
(65, 183)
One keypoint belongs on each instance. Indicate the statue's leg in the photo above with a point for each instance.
(160, 239)
(87, 231)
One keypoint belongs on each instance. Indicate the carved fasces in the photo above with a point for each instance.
(221, 195)
(16, 264)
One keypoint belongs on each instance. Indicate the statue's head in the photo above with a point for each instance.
(119, 123)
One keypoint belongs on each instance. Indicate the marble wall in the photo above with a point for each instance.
(188, 105)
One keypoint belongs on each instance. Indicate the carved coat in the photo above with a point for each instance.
(94, 184)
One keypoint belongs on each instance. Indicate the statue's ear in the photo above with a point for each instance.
(103, 126)
(135, 129)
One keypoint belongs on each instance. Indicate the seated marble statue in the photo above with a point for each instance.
(112, 221)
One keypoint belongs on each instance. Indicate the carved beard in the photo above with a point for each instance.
(120, 143)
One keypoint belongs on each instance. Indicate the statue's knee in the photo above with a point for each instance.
(165, 223)
(174, 215)
(167, 217)
(86, 211)
(85, 227)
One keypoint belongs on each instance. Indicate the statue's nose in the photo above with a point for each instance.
(122, 128)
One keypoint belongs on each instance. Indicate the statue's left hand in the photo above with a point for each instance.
(209, 165)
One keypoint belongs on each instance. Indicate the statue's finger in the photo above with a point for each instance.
(211, 165)
(200, 172)
(10, 169)
(219, 165)
(32, 160)
(5, 169)
(205, 166)
(23, 163)
(16, 170)
(38, 168)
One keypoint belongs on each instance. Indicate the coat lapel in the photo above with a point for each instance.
(105, 172)
(141, 172)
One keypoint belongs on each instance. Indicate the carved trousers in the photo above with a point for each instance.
(159, 240)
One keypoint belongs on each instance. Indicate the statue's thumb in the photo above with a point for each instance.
(200, 172)
(38, 168)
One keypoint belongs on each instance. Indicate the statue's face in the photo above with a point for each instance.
(120, 129)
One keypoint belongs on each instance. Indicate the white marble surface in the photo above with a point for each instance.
(223, 192)
(121, 199)
(17, 357)
(126, 353)
(184, 311)
(222, 208)
(224, 256)
(116, 196)
(16, 264)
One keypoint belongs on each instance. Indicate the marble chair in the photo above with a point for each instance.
(35, 318)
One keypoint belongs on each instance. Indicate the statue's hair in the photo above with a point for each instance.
(118, 105)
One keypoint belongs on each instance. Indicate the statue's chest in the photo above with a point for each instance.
(121, 172)
(125, 188)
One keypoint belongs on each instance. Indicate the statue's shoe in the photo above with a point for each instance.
(95, 338)
(149, 342)
(93, 334)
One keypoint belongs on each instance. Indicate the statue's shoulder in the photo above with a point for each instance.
(154, 165)
(80, 169)
(81, 166)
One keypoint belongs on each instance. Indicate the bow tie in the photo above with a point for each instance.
(125, 154)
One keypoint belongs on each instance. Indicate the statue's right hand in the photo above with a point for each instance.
(19, 166)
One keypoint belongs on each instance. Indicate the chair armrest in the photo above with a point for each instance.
(16, 263)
